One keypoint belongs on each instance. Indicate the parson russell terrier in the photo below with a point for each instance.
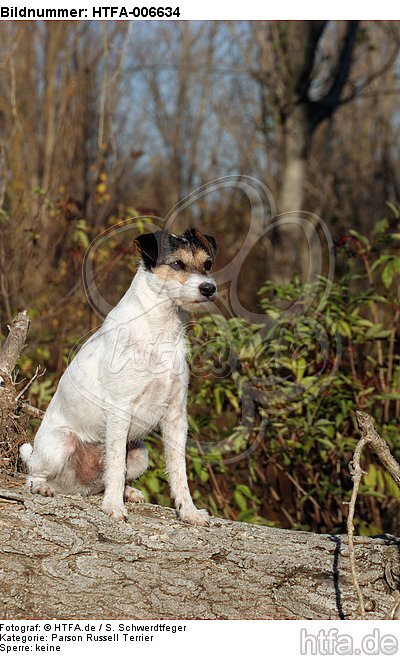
(130, 377)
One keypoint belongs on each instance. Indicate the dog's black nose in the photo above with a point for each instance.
(207, 289)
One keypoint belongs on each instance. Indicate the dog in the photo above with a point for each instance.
(129, 378)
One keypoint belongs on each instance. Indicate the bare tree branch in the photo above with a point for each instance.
(373, 76)
(14, 343)
(378, 445)
(394, 612)
(29, 383)
(356, 474)
(31, 410)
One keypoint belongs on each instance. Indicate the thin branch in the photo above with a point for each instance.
(378, 94)
(356, 474)
(394, 613)
(29, 383)
(31, 410)
(373, 76)
(104, 87)
(378, 445)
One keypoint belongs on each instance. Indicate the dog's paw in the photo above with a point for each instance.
(42, 488)
(194, 517)
(133, 495)
(119, 513)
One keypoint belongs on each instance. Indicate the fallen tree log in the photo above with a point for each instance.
(63, 558)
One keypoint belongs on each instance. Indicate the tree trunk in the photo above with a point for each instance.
(297, 142)
(290, 251)
(296, 249)
(63, 558)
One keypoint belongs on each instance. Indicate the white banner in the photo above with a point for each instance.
(191, 10)
(87, 637)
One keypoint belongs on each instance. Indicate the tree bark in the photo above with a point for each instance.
(63, 558)
(290, 251)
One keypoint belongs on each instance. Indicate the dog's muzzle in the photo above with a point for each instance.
(207, 289)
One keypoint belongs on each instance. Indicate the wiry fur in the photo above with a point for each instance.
(128, 378)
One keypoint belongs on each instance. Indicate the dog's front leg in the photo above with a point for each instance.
(174, 431)
(115, 466)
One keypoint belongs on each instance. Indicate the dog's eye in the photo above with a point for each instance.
(178, 265)
(207, 265)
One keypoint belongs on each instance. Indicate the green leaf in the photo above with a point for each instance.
(218, 399)
(240, 500)
(361, 238)
(245, 490)
(152, 484)
(387, 275)
(381, 226)
(380, 260)
(377, 332)
(395, 209)
(344, 328)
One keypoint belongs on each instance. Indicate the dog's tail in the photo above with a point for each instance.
(25, 452)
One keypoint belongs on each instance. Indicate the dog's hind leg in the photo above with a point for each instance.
(137, 460)
(52, 449)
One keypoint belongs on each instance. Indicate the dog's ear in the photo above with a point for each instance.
(213, 244)
(173, 241)
(149, 246)
(207, 241)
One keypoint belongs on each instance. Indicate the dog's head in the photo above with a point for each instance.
(180, 265)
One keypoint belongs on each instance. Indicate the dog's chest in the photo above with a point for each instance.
(159, 378)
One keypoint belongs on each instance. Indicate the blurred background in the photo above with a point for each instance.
(104, 122)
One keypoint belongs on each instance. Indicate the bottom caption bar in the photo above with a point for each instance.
(200, 637)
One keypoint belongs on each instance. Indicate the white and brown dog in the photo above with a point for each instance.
(130, 377)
